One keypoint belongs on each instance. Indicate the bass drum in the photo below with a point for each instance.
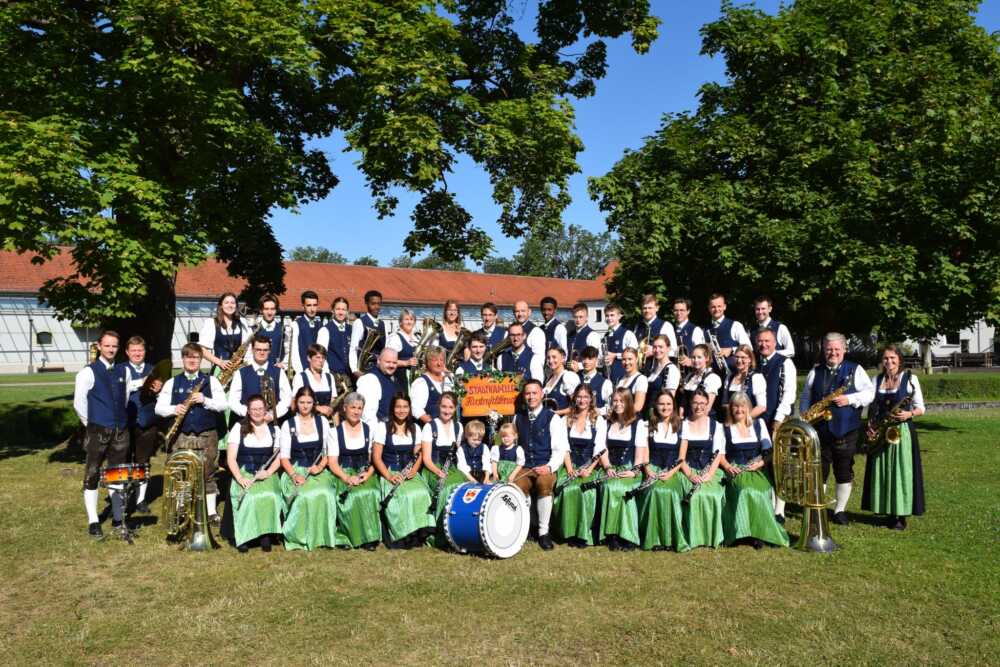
(488, 519)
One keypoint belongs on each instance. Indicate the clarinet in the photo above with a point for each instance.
(446, 468)
(587, 486)
(343, 494)
(576, 473)
(745, 467)
(243, 492)
(295, 489)
(406, 471)
(646, 483)
(695, 485)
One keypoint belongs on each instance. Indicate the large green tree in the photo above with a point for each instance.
(848, 166)
(146, 133)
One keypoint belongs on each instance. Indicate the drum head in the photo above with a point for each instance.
(504, 521)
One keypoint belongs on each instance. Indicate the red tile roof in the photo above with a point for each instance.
(406, 286)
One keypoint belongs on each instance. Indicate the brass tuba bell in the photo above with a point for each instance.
(185, 505)
(798, 478)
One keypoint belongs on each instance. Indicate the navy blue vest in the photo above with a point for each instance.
(534, 437)
(845, 419)
(631, 385)
(596, 385)
(438, 454)
(529, 326)
(699, 452)
(389, 389)
(433, 398)
(254, 458)
(508, 454)
(369, 323)
(497, 335)
(140, 414)
(577, 342)
(356, 459)
(322, 397)
(651, 329)
(773, 375)
(469, 369)
(397, 455)
(197, 419)
(685, 336)
(106, 399)
(558, 394)
(656, 384)
(549, 328)
(663, 455)
(227, 344)
(581, 449)
(616, 344)
(741, 453)
(277, 337)
(338, 356)
(521, 365)
(473, 456)
(251, 382)
(444, 343)
(622, 452)
(307, 336)
(773, 325)
(304, 453)
(687, 394)
(724, 332)
(406, 349)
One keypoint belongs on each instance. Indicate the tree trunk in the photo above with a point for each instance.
(153, 320)
(925, 356)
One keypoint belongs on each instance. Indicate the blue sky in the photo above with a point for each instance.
(627, 107)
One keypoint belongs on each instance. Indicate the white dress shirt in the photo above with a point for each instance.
(599, 429)
(559, 334)
(605, 392)
(718, 442)
(783, 338)
(459, 372)
(535, 342)
(737, 332)
(863, 390)
(358, 334)
(82, 386)
(214, 403)
(463, 464)
(790, 387)
(371, 389)
(666, 329)
(697, 334)
(557, 438)
(296, 334)
(284, 399)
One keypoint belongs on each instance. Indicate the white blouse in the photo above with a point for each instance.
(672, 379)
(618, 432)
(250, 440)
(446, 433)
(641, 383)
(601, 429)
(765, 437)
(665, 434)
(712, 383)
(350, 443)
(286, 435)
(918, 394)
(758, 386)
(495, 454)
(570, 381)
(718, 442)
(380, 435)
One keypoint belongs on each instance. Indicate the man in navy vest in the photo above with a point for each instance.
(378, 386)
(305, 331)
(615, 341)
(519, 358)
(269, 326)
(649, 328)
(688, 335)
(779, 374)
(600, 385)
(100, 398)
(426, 390)
(762, 312)
(142, 419)
(729, 333)
(839, 436)
(552, 327)
(249, 380)
(494, 332)
(583, 336)
(534, 336)
(541, 433)
(360, 328)
(199, 419)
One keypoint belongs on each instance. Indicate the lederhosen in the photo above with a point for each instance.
(535, 441)
(107, 439)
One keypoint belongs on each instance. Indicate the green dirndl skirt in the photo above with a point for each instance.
(618, 516)
(310, 511)
(504, 469)
(407, 512)
(357, 511)
(574, 508)
(453, 479)
(894, 478)
(703, 514)
(749, 510)
(661, 513)
(259, 511)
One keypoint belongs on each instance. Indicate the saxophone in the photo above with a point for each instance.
(236, 361)
(168, 438)
(887, 428)
(185, 506)
(820, 410)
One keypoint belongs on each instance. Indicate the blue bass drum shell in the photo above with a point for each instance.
(488, 519)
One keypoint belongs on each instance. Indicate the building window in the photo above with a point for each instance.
(951, 338)
(965, 346)
(43, 337)
(599, 315)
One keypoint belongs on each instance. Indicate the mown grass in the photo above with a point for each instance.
(924, 596)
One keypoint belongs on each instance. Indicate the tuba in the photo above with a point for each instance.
(185, 505)
(798, 478)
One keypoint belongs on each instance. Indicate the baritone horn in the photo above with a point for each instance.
(798, 478)
(185, 505)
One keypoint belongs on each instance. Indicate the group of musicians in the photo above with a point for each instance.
(654, 436)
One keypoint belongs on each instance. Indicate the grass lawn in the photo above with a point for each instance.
(924, 596)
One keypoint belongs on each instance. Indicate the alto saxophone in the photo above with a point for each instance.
(820, 410)
(887, 428)
(236, 361)
(168, 438)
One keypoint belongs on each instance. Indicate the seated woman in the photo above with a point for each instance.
(440, 440)
(575, 509)
(627, 448)
(661, 513)
(396, 457)
(702, 444)
(749, 510)
(252, 457)
(307, 486)
(358, 493)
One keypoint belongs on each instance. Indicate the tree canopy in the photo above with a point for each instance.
(557, 252)
(430, 261)
(847, 166)
(310, 253)
(146, 133)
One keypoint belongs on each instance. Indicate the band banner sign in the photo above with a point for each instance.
(490, 393)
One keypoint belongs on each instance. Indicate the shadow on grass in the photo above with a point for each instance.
(26, 428)
(931, 425)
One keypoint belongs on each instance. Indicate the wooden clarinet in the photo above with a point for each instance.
(576, 473)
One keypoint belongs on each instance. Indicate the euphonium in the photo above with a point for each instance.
(372, 337)
(497, 350)
(185, 506)
(798, 478)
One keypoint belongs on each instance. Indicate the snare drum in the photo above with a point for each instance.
(125, 473)
(490, 519)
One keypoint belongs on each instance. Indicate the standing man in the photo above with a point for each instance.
(269, 327)
(552, 327)
(336, 338)
(250, 380)
(688, 335)
(839, 436)
(494, 332)
(583, 336)
(616, 340)
(519, 358)
(305, 331)
(100, 398)
(729, 333)
(541, 433)
(762, 312)
(199, 419)
(378, 387)
(142, 419)
(650, 327)
(779, 374)
(534, 336)
(359, 330)
(426, 390)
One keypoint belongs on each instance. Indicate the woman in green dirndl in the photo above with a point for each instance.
(894, 476)
(576, 509)
(702, 444)
(307, 486)
(627, 447)
(252, 458)
(406, 513)
(661, 512)
(749, 510)
(358, 493)
(440, 440)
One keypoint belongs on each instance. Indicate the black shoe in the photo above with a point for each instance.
(265, 544)
(94, 530)
(142, 508)
(659, 547)
(899, 523)
(780, 518)
(625, 545)
(545, 542)
(613, 544)
(757, 544)
(840, 518)
(370, 546)
(243, 548)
